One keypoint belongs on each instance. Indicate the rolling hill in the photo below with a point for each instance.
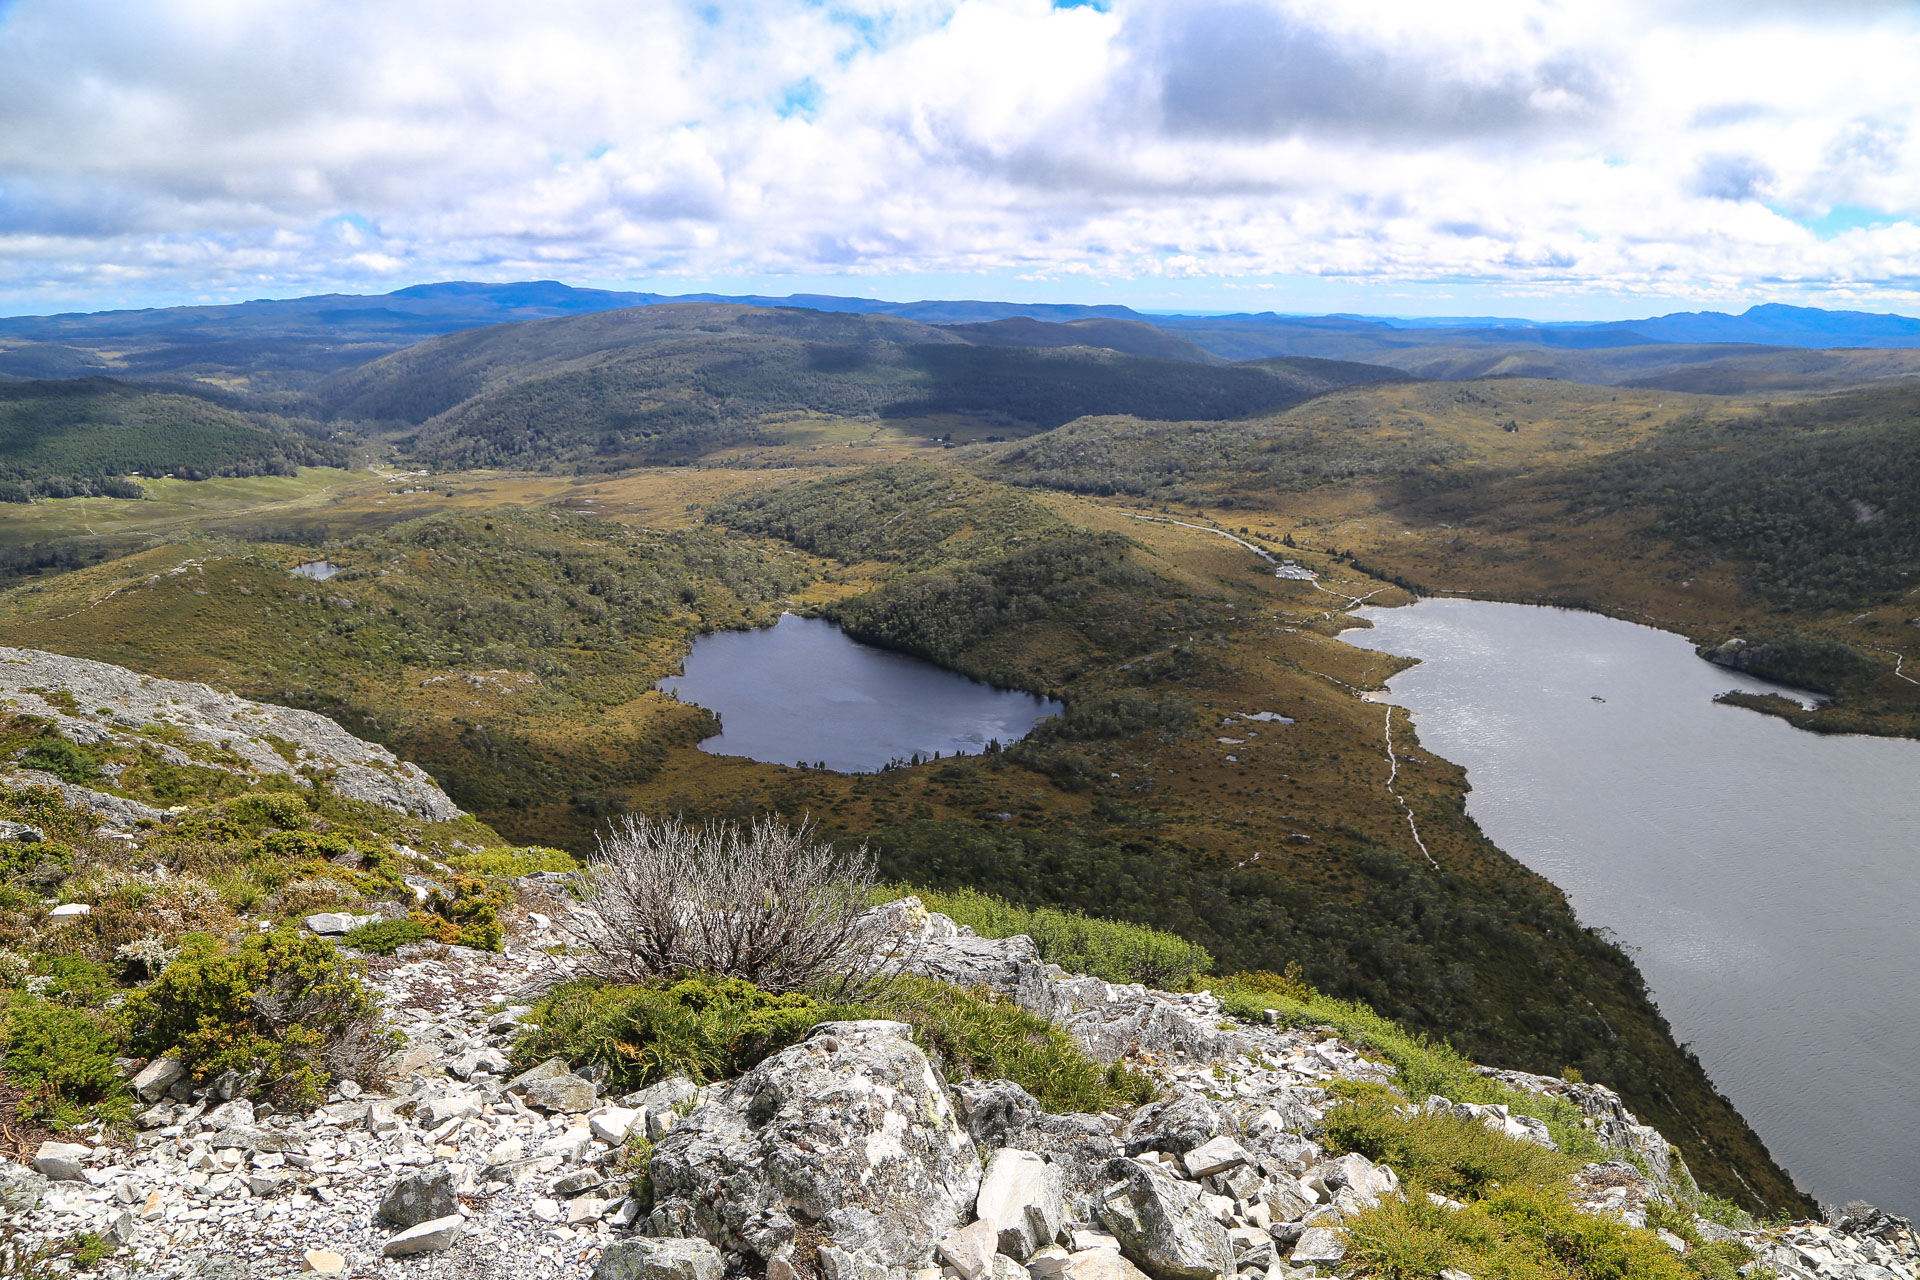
(72, 438)
(670, 383)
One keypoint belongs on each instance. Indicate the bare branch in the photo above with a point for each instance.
(766, 902)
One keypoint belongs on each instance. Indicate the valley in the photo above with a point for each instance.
(539, 518)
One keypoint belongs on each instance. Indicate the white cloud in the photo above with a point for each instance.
(214, 146)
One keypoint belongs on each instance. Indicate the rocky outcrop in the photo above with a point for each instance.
(849, 1156)
(95, 703)
(850, 1133)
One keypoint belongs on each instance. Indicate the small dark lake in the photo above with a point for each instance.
(1763, 877)
(803, 692)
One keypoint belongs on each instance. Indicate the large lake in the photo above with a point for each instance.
(1763, 877)
(802, 692)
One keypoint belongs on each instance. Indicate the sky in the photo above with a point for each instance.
(1574, 160)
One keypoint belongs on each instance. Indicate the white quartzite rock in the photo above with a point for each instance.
(1164, 1225)
(850, 1129)
(428, 1237)
(1021, 1198)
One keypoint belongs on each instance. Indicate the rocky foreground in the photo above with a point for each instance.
(848, 1156)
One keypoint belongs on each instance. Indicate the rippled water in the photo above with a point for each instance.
(802, 692)
(1763, 877)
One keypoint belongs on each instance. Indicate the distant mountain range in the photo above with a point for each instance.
(445, 307)
(290, 346)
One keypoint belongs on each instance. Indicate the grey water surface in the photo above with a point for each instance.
(1763, 877)
(802, 692)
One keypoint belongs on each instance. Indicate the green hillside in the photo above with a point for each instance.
(668, 384)
(73, 438)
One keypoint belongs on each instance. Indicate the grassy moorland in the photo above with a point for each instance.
(1712, 517)
(516, 663)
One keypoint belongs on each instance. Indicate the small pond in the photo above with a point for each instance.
(318, 570)
(802, 692)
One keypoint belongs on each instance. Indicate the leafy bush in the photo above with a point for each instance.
(714, 1028)
(975, 1033)
(74, 980)
(284, 1004)
(62, 1059)
(1520, 1233)
(62, 759)
(467, 914)
(384, 937)
(22, 857)
(1077, 942)
(129, 905)
(1457, 1156)
(705, 1028)
(510, 864)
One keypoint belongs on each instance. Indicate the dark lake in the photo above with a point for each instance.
(802, 692)
(1763, 877)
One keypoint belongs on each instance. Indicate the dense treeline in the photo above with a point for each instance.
(82, 438)
(1042, 389)
(1182, 461)
(1817, 498)
(979, 562)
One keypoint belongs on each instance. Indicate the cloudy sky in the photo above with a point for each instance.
(1505, 157)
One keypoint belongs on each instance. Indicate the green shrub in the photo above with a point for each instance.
(716, 1028)
(1422, 1066)
(75, 980)
(1077, 942)
(510, 864)
(259, 810)
(467, 913)
(1457, 1156)
(22, 857)
(285, 1004)
(1517, 1234)
(975, 1033)
(704, 1028)
(61, 758)
(61, 1058)
(384, 937)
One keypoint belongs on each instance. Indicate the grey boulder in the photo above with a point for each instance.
(61, 1161)
(850, 1129)
(645, 1259)
(20, 1187)
(1164, 1226)
(417, 1197)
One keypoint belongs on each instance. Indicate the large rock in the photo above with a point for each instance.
(1101, 1264)
(417, 1197)
(61, 1161)
(646, 1259)
(20, 1187)
(428, 1237)
(157, 1077)
(850, 1130)
(331, 924)
(1021, 1199)
(1175, 1126)
(1164, 1226)
(32, 682)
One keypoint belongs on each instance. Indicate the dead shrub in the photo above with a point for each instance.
(767, 902)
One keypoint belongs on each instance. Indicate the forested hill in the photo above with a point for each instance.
(670, 383)
(73, 438)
